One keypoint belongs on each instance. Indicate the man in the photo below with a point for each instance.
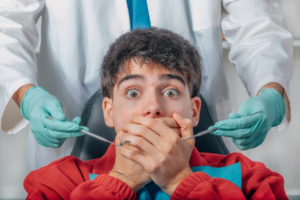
(76, 35)
(150, 81)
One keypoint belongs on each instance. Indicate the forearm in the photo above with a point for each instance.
(18, 95)
(274, 86)
(176, 181)
(129, 182)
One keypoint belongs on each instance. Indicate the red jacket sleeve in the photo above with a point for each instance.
(103, 187)
(69, 178)
(258, 182)
(201, 186)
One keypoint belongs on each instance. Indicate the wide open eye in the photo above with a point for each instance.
(133, 93)
(171, 93)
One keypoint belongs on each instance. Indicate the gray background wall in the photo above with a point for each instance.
(279, 152)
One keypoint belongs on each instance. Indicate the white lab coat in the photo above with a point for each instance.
(76, 35)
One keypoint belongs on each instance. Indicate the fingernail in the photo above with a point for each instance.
(126, 142)
(130, 117)
(121, 125)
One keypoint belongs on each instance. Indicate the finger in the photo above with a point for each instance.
(242, 147)
(57, 112)
(239, 123)
(252, 142)
(141, 130)
(119, 140)
(61, 135)
(46, 141)
(76, 120)
(52, 145)
(234, 116)
(119, 137)
(161, 144)
(236, 134)
(137, 157)
(168, 121)
(247, 140)
(146, 133)
(176, 130)
(45, 136)
(61, 141)
(259, 142)
(127, 145)
(41, 142)
(84, 128)
(142, 144)
(156, 126)
(186, 127)
(171, 123)
(56, 125)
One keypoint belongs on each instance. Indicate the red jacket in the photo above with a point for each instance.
(68, 178)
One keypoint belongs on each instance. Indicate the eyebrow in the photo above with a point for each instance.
(131, 76)
(162, 77)
(172, 76)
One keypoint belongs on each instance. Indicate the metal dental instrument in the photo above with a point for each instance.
(91, 134)
(210, 130)
(199, 134)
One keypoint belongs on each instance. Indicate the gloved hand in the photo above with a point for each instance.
(249, 131)
(35, 106)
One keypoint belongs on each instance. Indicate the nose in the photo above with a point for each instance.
(152, 107)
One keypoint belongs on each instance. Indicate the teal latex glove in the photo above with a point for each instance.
(249, 131)
(35, 106)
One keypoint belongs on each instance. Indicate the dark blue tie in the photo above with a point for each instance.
(138, 14)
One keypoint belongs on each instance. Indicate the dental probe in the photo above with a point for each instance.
(210, 130)
(91, 134)
(199, 134)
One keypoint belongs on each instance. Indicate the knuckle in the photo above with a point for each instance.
(143, 129)
(153, 168)
(134, 118)
(189, 122)
(138, 141)
(175, 140)
(163, 160)
(169, 149)
(150, 122)
(130, 154)
(124, 126)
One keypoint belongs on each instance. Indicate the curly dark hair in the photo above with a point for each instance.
(152, 46)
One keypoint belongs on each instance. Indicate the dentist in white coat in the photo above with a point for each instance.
(75, 36)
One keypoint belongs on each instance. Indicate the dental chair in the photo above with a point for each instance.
(87, 148)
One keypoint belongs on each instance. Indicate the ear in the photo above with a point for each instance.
(107, 107)
(195, 106)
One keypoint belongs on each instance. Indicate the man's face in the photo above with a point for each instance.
(150, 91)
